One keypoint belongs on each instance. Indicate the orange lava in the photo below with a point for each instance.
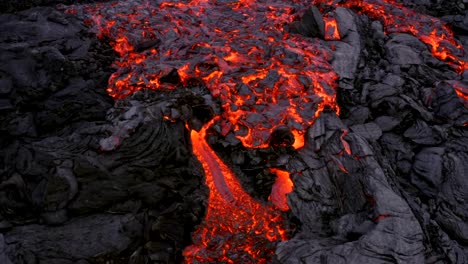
(282, 186)
(331, 29)
(345, 143)
(397, 18)
(462, 92)
(237, 228)
(298, 139)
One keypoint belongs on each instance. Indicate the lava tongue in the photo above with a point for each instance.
(237, 228)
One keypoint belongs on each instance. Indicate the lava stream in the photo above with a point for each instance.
(237, 228)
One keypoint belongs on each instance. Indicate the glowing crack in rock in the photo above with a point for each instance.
(331, 29)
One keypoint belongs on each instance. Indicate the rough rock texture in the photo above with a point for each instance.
(83, 180)
(346, 204)
(386, 183)
(346, 57)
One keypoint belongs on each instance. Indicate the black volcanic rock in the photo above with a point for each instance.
(83, 180)
(10, 6)
(311, 24)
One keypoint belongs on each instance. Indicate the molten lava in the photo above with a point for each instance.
(331, 29)
(397, 18)
(237, 228)
(282, 186)
(461, 89)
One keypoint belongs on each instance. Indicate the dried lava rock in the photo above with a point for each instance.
(83, 180)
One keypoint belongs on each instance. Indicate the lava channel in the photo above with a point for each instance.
(236, 228)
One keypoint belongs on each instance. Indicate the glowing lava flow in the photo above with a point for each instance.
(237, 228)
(331, 29)
(397, 18)
(462, 91)
(263, 76)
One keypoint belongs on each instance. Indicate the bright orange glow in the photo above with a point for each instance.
(345, 144)
(237, 228)
(298, 139)
(282, 186)
(331, 29)
(397, 18)
(462, 92)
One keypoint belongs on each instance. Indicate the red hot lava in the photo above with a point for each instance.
(282, 186)
(264, 78)
(397, 18)
(331, 29)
